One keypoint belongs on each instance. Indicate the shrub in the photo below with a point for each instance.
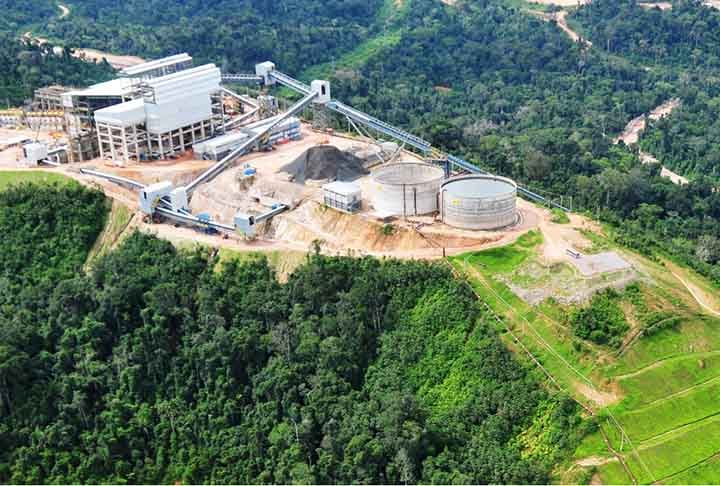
(602, 321)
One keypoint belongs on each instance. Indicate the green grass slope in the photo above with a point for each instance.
(661, 388)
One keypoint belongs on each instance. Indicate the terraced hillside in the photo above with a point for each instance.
(653, 398)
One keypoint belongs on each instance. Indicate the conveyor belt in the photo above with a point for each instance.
(112, 178)
(242, 78)
(248, 144)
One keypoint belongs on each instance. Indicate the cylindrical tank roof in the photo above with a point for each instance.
(407, 173)
(479, 186)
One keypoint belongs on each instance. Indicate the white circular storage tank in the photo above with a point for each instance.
(478, 202)
(406, 188)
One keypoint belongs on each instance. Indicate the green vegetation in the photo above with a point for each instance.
(25, 67)
(661, 388)
(388, 229)
(234, 34)
(685, 35)
(42, 244)
(163, 365)
(506, 258)
(15, 177)
(118, 220)
(198, 368)
(559, 216)
(602, 321)
(357, 57)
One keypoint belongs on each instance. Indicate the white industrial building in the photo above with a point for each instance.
(174, 112)
(159, 67)
(343, 196)
(154, 110)
(216, 148)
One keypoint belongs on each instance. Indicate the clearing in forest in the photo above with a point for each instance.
(654, 395)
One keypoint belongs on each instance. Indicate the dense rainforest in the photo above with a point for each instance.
(686, 35)
(232, 33)
(25, 67)
(161, 365)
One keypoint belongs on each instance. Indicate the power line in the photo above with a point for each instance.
(542, 340)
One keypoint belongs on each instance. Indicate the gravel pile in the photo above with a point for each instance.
(325, 162)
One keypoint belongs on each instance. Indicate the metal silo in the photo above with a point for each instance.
(406, 188)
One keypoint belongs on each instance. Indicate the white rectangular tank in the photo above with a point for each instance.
(344, 196)
(34, 153)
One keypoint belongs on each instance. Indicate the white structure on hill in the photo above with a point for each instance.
(167, 116)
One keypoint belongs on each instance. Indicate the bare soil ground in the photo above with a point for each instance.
(600, 397)
(310, 220)
(595, 461)
(93, 55)
(634, 128)
(705, 298)
(632, 131)
(11, 157)
(115, 60)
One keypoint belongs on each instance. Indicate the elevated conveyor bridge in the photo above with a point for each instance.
(402, 136)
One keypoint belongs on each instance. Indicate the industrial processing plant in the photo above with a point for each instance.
(221, 152)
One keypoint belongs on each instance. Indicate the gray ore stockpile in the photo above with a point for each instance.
(325, 162)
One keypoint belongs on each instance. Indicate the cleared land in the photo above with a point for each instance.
(632, 131)
(309, 220)
(660, 5)
(634, 128)
(656, 400)
(561, 3)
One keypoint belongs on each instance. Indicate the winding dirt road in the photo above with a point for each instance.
(631, 136)
(560, 18)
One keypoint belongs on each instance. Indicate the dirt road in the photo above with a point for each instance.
(660, 5)
(632, 131)
(115, 60)
(704, 300)
(560, 18)
(631, 136)
(92, 55)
